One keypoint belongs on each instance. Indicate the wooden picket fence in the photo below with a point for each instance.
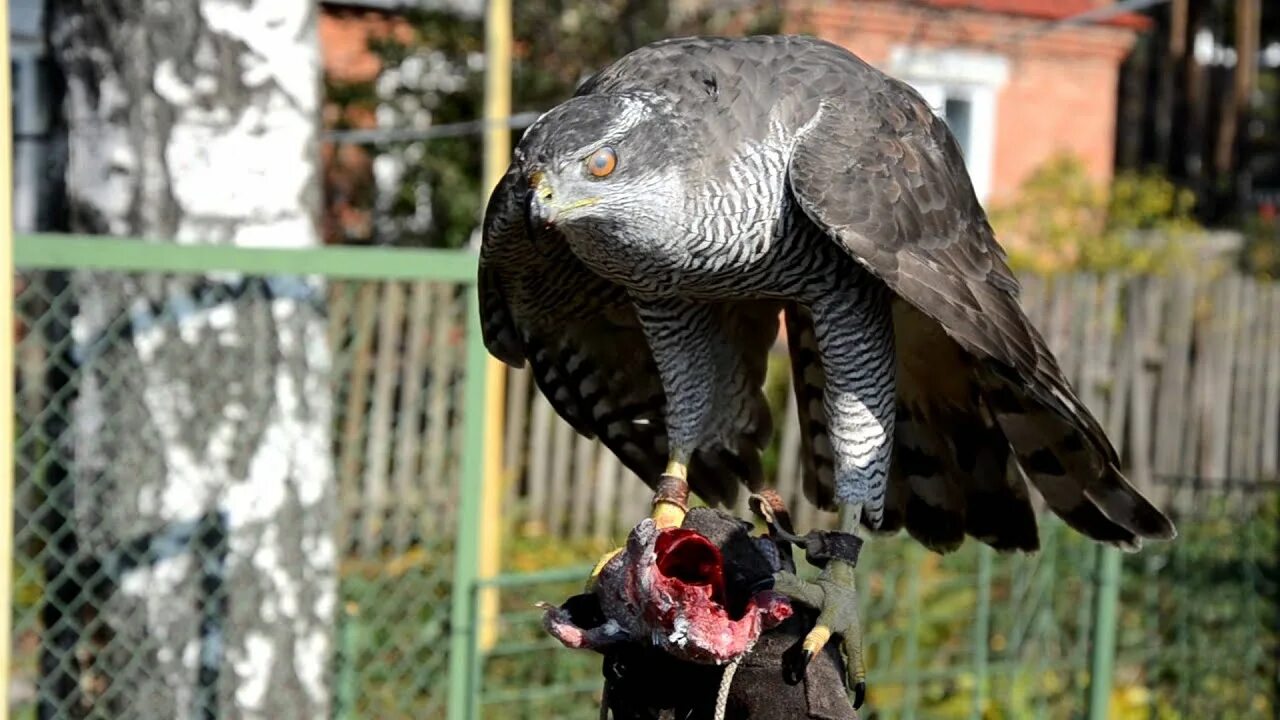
(398, 370)
(1183, 373)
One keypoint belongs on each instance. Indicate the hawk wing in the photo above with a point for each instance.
(879, 172)
(589, 357)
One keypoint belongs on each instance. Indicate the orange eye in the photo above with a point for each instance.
(602, 162)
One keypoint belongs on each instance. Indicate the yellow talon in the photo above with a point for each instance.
(669, 509)
(677, 469)
(669, 504)
(816, 639)
(667, 515)
(595, 571)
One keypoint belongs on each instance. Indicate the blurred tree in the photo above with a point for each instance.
(198, 513)
(1262, 241)
(1199, 100)
(429, 190)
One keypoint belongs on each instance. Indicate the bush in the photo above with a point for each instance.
(1063, 221)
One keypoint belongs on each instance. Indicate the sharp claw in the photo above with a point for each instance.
(795, 662)
(855, 667)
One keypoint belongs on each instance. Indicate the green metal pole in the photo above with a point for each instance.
(7, 373)
(462, 617)
(912, 654)
(1045, 616)
(348, 634)
(1104, 633)
(47, 251)
(982, 633)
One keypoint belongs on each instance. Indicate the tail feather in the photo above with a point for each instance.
(957, 472)
(742, 424)
(951, 460)
(1120, 500)
(896, 497)
(935, 508)
(999, 513)
(716, 474)
(1073, 466)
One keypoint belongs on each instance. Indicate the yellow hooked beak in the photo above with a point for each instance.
(542, 207)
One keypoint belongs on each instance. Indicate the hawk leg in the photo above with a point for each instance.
(854, 332)
(699, 363)
(670, 505)
(833, 594)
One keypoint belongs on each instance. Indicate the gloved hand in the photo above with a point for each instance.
(672, 588)
(677, 606)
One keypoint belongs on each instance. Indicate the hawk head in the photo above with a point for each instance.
(601, 166)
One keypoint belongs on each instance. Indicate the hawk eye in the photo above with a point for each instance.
(602, 162)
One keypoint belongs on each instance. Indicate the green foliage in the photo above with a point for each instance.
(392, 622)
(532, 551)
(1198, 627)
(777, 390)
(1063, 221)
(430, 190)
(1261, 254)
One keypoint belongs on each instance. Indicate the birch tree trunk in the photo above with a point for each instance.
(199, 440)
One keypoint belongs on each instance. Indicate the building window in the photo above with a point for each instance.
(958, 112)
(961, 86)
(28, 126)
(15, 91)
(31, 109)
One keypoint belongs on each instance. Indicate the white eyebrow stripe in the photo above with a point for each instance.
(633, 113)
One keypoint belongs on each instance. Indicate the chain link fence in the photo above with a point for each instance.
(237, 491)
(247, 485)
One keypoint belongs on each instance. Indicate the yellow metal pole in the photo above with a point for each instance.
(6, 364)
(497, 154)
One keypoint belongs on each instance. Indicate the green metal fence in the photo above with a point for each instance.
(1198, 632)
(1188, 629)
(1183, 630)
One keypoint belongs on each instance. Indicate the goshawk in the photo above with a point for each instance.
(651, 230)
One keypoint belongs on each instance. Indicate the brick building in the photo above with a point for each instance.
(346, 30)
(1013, 94)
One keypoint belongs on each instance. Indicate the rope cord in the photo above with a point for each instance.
(726, 681)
